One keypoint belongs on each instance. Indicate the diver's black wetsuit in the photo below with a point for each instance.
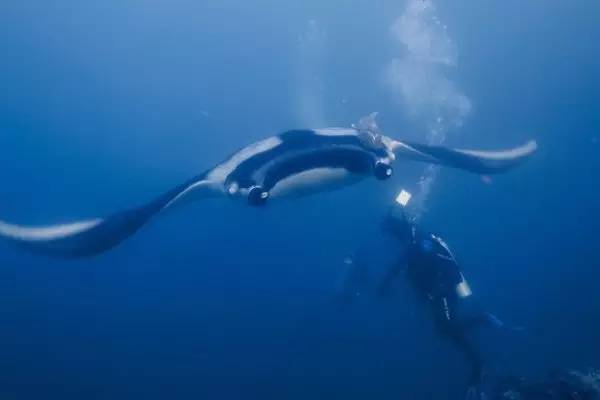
(434, 273)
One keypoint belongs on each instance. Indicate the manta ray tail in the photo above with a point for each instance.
(93, 236)
(481, 162)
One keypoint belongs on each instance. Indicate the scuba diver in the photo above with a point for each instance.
(433, 272)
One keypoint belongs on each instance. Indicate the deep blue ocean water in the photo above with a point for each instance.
(106, 104)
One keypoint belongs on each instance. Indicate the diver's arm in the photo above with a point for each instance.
(394, 231)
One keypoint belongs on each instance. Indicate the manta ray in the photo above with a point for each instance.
(291, 164)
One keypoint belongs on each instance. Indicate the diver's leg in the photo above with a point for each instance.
(468, 349)
(448, 325)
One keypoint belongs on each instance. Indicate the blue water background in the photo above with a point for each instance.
(106, 104)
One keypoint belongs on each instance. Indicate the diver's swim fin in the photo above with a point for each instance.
(481, 162)
(93, 236)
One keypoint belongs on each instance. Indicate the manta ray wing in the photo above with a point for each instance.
(481, 162)
(311, 160)
(93, 236)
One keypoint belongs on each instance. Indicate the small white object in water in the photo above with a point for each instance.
(403, 198)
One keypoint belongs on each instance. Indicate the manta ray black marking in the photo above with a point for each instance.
(294, 163)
